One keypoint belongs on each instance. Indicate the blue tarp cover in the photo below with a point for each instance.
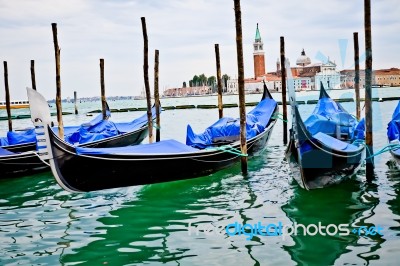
(4, 152)
(98, 129)
(393, 130)
(229, 128)
(329, 117)
(161, 147)
(14, 138)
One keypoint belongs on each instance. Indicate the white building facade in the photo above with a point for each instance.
(329, 77)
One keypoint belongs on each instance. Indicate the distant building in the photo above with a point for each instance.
(328, 76)
(348, 77)
(187, 91)
(389, 77)
(306, 76)
(258, 55)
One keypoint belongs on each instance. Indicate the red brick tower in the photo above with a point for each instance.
(258, 55)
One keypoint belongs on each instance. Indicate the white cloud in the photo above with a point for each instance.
(185, 33)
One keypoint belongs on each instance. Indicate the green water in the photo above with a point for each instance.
(40, 224)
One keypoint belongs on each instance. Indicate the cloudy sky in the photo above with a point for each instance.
(184, 31)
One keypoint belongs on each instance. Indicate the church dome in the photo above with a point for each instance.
(303, 60)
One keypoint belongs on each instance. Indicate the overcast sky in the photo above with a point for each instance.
(184, 31)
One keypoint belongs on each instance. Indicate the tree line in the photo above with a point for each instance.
(203, 80)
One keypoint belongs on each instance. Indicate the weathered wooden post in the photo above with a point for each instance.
(368, 91)
(103, 90)
(284, 105)
(357, 74)
(146, 79)
(242, 106)
(219, 82)
(58, 82)
(76, 102)
(157, 95)
(8, 106)
(33, 74)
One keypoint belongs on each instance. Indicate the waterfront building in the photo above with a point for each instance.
(329, 76)
(348, 77)
(306, 76)
(387, 77)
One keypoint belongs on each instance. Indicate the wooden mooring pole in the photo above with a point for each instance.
(157, 95)
(219, 82)
(283, 77)
(357, 75)
(58, 82)
(368, 91)
(146, 78)
(8, 106)
(103, 90)
(33, 74)
(242, 106)
(76, 102)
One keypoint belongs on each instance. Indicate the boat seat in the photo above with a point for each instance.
(334, 143)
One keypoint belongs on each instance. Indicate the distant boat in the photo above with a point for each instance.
(380, 86)
(15, 104)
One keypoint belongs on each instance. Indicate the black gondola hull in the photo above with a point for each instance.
(396, 157)
(23, 163)
(82, 173)
(30, 146)
(319, 168)
(20, 164)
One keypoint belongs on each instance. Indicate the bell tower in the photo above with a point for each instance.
(258, 55)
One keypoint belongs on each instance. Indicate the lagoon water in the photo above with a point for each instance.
(183, 223)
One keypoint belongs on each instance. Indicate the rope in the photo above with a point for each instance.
(40, 157)
(228, 149)
(277, 116)
(389, 147)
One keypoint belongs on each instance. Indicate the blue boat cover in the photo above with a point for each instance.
(393, 130)
(161, 147)
(228, 128)
(331, 118)
(4, 152)
(14, 138)
(98, 129)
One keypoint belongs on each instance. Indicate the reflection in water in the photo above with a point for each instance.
(394, 177)
(350, 202)
(42, 224)
(30, 219)
(154, 227)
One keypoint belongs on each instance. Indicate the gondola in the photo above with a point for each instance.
(19, 141)
(87, 169)
(327, 147)
(103, 133)
(21, 157)
(393, 133)
(13, 164)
